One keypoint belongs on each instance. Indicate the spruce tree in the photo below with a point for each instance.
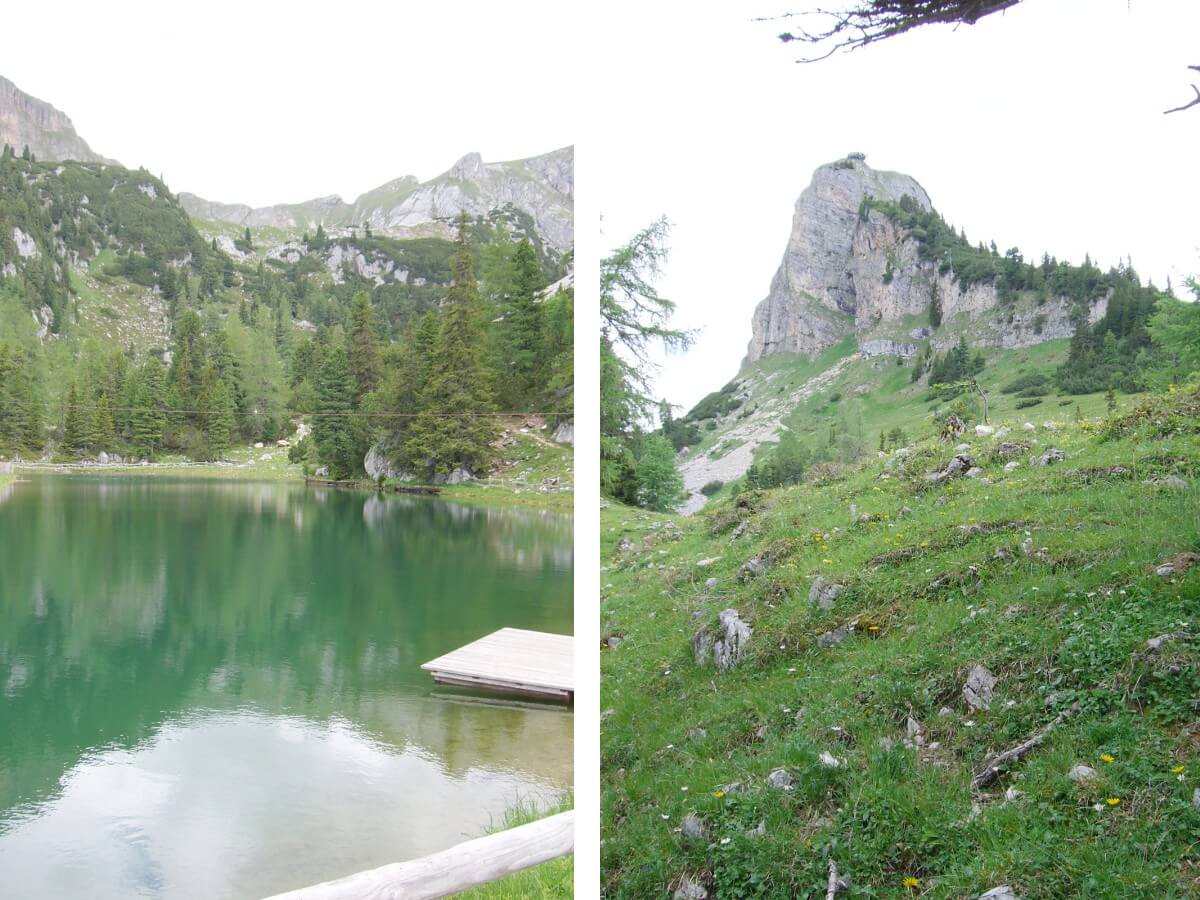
(149, 409)
(452, 428)
(333, 430)
(363, 341)
(221, 418)
(523, 327)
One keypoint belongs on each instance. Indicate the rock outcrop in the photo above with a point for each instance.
(542, 187)
(849, 270)
(26, 121)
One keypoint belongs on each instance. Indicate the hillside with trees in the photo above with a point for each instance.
(126, 332)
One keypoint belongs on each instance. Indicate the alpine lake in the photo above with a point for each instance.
(213, 689)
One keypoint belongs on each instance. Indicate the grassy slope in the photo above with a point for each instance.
(1062, 625)
(883, 394)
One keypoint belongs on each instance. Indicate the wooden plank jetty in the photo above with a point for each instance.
(512, 660)
(457, 869)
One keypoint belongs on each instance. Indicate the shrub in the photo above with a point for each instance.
(712, 487)
(1032, 401)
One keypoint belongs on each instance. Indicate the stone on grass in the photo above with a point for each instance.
(759, 830)
(978, 689)
(833, 638)
(1175, 482)
(693, 827)
(690, 888)
(1196, 798)
(823, 592)
(1000, 892)
(1081, 773)
(705, 563)
(829, 761)
(614, 642)
(1011, 465)
(696, 734)
(780, 779)
(751, 568)
(727, 646)
(985, 430)
(710, 584)
(1052, 455)
(1029, 426)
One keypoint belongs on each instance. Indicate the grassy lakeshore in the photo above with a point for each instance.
(843, 733)
(532, 472)
(553, 880)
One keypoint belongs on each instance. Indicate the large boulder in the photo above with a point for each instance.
(378, 464)
(726, 646)
(565, 433)
(461, 475)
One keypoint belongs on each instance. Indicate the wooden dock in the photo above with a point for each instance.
(513, 661)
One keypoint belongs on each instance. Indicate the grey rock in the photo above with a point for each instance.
(607, 713)
(759, 830)
(1051, 456)
(919, 334)
(1029, 426)
(565, 433)
(823, 593)
(977, 692)
(751, 568)
(696, 734)
(710, 584)
(690, 888)
(781, 780)
(379, 465)
(1011, 466)
(1155, 644)
(614, 642)
(1000, 892)
(887, 348)
(322, 472)
(833, 638)
(727, 646)
(1174, 482)
(1196, 798)
(693, 827)
(985, 430)
(1011, 448)
(1003, 554)
(1081, 773)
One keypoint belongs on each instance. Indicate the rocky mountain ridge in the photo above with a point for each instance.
(26, 121)
(541, 186)
(850, 269)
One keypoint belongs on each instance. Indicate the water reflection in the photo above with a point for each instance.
(159, 637)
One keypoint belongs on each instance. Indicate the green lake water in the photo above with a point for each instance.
(213, 689)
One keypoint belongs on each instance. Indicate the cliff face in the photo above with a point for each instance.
(848, 273)
(543, 187)
(26, 121)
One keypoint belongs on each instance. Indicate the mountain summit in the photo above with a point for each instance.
(867, 250)
(26, 121)
(541, 187)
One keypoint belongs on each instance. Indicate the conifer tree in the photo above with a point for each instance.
(453, 428)
(363, 341)
(221, 417)
(523, 324)
(149, 409)
(333, 430)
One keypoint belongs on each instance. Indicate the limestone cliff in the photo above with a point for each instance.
(542, 187)
(26, 121)
(851, 270)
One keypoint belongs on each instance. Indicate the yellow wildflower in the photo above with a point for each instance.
(1178, 770)
(720, 795)
(1107, 757)
(924, 543)
(910, 882)
(1113, 801)
(828, 562)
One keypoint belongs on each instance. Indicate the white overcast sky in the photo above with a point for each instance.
(269, 102)
(1040, 128)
